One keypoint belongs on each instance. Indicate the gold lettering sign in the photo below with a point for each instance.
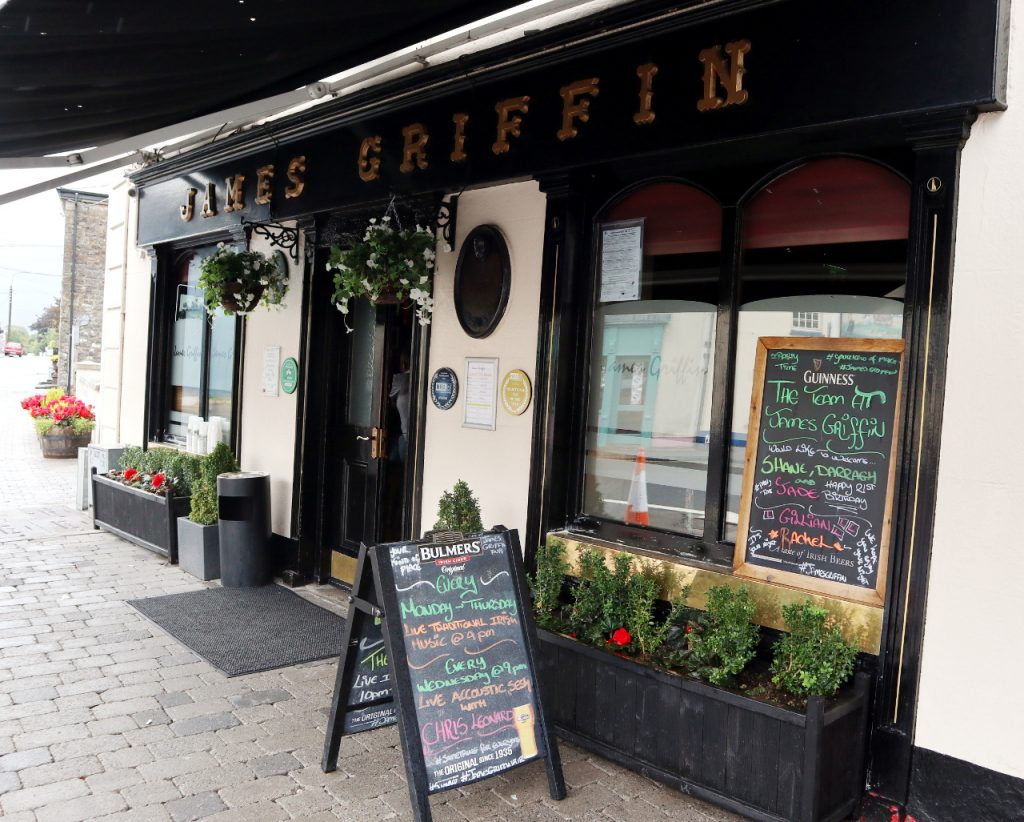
(414, 148)
(264, 184)
(189, 208)
(458, 154)
(296, 168)
(509, 125)
(645, 116)
(234, 200)
(369, 167)
(728, 73)
(210, 203)
(516, 392)
(575, 105)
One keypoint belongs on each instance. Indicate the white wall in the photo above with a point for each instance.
(121, 410)
(268, 423)
(972, 667)
(496, 464)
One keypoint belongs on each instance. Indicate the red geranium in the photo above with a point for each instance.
(158, 480)
(621, 637)
(130, 474)
(34, 401)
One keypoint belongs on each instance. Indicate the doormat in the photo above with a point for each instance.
(245, 630)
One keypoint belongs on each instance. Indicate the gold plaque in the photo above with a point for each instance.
(516, 392)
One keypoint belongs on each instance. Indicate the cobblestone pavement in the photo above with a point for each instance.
(104, 716)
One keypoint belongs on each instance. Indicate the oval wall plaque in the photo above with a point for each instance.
(444, 388)
(516, 392)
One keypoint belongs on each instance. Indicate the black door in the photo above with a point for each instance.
(368, 455)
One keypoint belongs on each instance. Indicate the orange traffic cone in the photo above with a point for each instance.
(636, 504)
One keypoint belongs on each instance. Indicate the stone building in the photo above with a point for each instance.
(81, 294)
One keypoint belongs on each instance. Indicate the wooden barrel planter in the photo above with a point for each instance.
(149, 520)
(759, 760)
(63, 443)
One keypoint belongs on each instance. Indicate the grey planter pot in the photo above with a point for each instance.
(198, 549)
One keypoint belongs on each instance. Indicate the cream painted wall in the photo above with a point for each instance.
(972, 666)
(496, 464)
(268, 423)
(125, 343)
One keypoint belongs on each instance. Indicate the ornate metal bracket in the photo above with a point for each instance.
(446, 215)
(281, 236)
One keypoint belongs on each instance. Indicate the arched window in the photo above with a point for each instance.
(824, 255)
(652, 364)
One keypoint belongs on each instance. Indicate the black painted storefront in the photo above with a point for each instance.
(897, 84)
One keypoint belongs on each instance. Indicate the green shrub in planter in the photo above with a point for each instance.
(814, 658)
(724, 638)
(459, 510)
(131, 458)
(204, 492)
(547, 584)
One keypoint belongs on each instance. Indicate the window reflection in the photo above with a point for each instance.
(651, 372)
(824, 255)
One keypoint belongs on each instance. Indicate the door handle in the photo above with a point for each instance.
(377, 450)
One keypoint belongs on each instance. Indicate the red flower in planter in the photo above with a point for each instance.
(621, 637)
(158, 480)
(130, 474)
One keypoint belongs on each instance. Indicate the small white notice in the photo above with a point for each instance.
(622, 247)
(271, 368)
(481, 392)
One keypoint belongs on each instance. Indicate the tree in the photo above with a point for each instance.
(49, 318)
(18, 334)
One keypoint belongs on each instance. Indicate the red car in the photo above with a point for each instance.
(13, 349)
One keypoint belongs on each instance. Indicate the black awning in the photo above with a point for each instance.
(76, 74)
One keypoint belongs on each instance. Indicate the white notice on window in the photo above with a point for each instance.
(481, 392)
(271, 369)
(621, 261)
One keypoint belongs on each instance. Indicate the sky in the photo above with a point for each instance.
(32, 245)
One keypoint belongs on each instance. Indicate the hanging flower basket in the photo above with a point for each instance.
(243, 306)
(389, 266)
(239, 281)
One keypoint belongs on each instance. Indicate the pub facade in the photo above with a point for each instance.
(624, 206)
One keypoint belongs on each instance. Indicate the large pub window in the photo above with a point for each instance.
(202, 360)
(823, 253)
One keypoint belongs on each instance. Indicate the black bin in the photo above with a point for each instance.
(244, 529)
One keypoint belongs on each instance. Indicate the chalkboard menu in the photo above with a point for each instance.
(368, 704)
(820, 462)
(465, 647)
(439, 638)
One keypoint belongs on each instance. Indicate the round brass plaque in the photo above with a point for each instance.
(516, 392)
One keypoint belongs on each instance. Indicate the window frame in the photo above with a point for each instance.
(162, 307)
(710, 548)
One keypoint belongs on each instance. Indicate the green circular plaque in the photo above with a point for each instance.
(289, 375)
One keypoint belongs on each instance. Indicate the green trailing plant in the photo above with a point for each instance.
(238, 281)
(459, 510)
(204, 491)
(814, 658)
(388, 262)
(547, 583)
(723, 639)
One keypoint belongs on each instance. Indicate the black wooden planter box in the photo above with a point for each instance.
(756, 759)
(146, 519)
